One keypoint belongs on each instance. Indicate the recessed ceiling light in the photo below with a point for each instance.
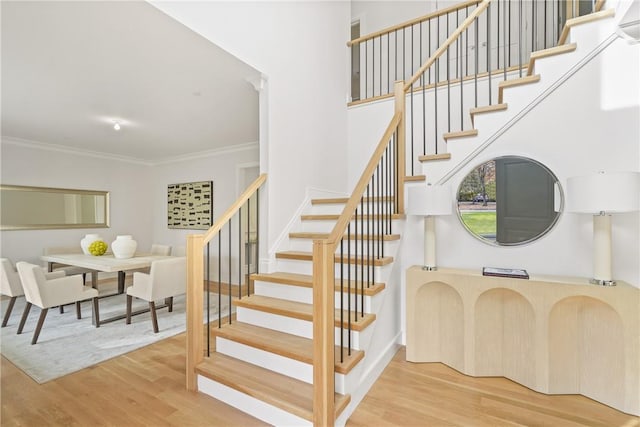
(116, 125)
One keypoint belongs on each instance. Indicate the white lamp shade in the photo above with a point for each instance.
(609, 192)
(427, 200)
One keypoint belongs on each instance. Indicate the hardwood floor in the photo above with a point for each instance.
(146, 388)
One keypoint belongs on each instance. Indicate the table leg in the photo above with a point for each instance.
(49, 266)
(94, 279)
(121, 276)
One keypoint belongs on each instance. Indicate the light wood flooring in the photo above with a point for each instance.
(146, 388)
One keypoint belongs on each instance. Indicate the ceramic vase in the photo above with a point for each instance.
(87, 240)
(124, 247)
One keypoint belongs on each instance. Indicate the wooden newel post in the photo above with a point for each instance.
(400, 103)
(195, 278)
(323, 333)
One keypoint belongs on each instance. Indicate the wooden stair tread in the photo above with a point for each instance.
(283, 344)
(514, 83)
(556, 50)
(583, 20)
(415, 178)
(286, 393)
(343, 200)
(460, 134)
(432, 157)
(315, 236)
(335, 217)
(299, 310)
(306, 281)
(486, 109)
(308, 256)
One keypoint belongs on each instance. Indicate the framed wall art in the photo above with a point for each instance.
(190, 205)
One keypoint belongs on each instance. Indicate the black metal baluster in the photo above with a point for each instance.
(342, 299)
(489, 48)
(229, 284)
(240, 252)
(349, 289)
(248, 248)
(545, 24)
(220, 278)
(448, 85)
(208, 301)
(520, 39)
(257, 231)
(355, 263)
(362, 255)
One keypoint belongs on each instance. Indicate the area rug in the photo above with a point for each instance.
(67, 344)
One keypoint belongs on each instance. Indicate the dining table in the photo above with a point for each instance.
(105, 263)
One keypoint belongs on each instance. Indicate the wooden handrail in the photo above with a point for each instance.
(361, 186)
(195, 278)
(208, 235)
(443, 48)
(413, 21)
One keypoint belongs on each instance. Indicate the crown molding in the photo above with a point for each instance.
(6, 139)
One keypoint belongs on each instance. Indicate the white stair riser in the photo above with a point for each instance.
(250, 405)
(304, 294)
(283, 365)
(360, 246)
(301, 328)
(336, 209)
(306, 267)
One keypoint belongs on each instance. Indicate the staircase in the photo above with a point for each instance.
(263, 363)
(263, 360)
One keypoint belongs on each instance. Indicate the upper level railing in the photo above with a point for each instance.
(502, 41)
(219, 263)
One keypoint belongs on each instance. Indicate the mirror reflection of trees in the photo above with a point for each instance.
(508, 201)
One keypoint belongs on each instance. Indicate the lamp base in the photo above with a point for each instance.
(429, 268)
(602, 282)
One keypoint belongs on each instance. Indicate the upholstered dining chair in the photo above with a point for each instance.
(166, 279)
(157, 249)
(46, 293)
(11, 286)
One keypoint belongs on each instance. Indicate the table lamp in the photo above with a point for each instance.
(429, 201)
(603, 194)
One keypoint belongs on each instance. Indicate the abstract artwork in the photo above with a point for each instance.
(190, 205)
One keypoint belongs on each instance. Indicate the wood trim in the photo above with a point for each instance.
(415, 178)
(195, 277)
(323, 333)
(316, 236)
(361, 186)
(431, 157)
(486, 109)
(414, 21)
(460, 134)
(335, 217)
(399, 108)
(443, 48)
(211, 232)
(343, 200)
(583, 20)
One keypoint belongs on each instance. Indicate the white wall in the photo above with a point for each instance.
(300, 49)
(126, 182)
(221, 168)
(590, 123)
(138, 193)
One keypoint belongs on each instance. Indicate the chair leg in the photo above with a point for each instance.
(169, 302)
(12, 301)
(36, 333)
(25, 314)
(154, 317)
(96, 312)
(78, 311)
(129, 301)
(61, 309)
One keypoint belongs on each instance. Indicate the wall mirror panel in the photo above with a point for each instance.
(509, 201)
(32, 208)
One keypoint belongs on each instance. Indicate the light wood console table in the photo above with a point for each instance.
(555, 335)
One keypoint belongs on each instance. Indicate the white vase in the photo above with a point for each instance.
(124, 247)
(87, 240)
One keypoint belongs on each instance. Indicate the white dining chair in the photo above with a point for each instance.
(166, 279)
(46, 293)
(11, 285)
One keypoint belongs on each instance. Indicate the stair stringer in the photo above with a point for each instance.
(591, 39)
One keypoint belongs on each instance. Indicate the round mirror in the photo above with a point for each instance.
(509, 201)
